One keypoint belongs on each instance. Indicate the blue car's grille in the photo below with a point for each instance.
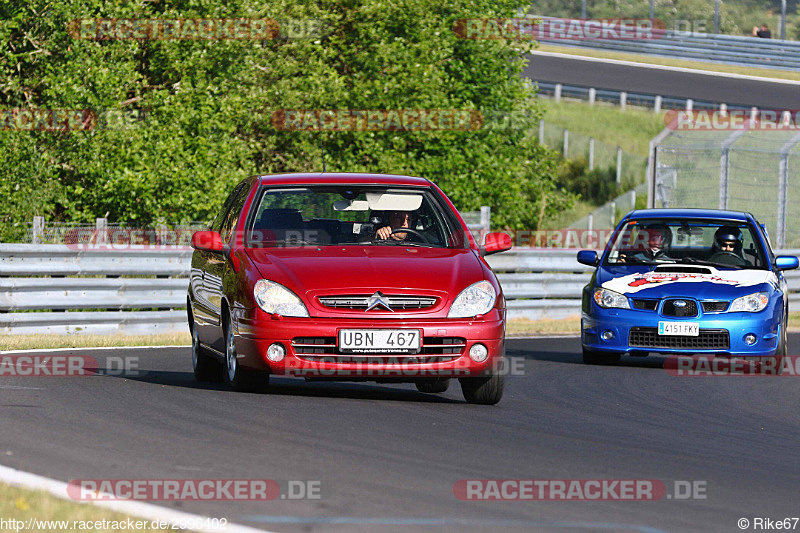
(679, 307)
(709, 339)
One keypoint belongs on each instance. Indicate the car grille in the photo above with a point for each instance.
(438, 348)
(647, 305)
(360, 302)
(709, 339)
(670, 309)
(714, 307)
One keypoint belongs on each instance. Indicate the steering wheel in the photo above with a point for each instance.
(408, 230)
(728, 258)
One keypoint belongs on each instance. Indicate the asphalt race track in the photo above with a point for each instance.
(387, 457)
(603, 75)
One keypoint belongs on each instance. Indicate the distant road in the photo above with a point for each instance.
(591, 72)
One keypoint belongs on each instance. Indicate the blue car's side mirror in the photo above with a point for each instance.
(589, 257)
(786, 262)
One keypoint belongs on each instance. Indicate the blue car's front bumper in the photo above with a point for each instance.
(765, 325)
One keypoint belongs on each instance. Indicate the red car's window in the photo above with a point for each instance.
(351, 215)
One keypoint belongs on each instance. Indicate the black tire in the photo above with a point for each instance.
(483, 390)
(590, 357)
(234, 375)
(205, 367)
(433, 385)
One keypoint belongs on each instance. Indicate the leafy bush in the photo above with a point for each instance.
(208, 106)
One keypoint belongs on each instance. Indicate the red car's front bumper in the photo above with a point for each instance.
(445, 347)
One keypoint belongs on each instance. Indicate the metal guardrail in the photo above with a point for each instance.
(538, 283)
(714, 48)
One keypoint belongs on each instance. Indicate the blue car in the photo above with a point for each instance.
(686, 281)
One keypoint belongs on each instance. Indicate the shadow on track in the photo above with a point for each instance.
(289, 386)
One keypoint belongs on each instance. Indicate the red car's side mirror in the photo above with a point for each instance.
(207, 240)
(496, 242)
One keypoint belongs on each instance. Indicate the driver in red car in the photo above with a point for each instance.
(397, 220)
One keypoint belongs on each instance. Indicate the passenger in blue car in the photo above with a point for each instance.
(659, 238)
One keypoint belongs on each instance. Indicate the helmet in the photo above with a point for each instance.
(728, 234)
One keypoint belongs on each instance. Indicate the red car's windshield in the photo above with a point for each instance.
(352, 215)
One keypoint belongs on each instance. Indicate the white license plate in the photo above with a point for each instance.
(380, 340)
(689, 329)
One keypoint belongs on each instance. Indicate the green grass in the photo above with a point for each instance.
(652, 60)
(36, 342)
(23, 504)
(632, 129)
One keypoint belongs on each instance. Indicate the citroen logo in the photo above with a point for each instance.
(378, 299)
(680, 304)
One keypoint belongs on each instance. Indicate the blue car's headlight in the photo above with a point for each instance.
(477, 299)
(610, 299)
(752, 303)
(275, 298)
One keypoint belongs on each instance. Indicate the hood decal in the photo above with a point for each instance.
(633, 283)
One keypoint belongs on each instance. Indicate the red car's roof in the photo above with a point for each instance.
(342, 177)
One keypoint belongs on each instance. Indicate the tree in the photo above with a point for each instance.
(208, 105)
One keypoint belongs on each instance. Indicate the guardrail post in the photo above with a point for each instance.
(623, 100)
(689, 104)
(566, 142)
(591, 153)
(657, 105)
(101, 230)
(619, 166)
(557, 92)
(592, 95)
(723, 110)
(38, 230)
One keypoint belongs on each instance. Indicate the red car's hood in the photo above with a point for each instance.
(362, 270)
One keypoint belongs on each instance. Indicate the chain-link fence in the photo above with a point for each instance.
(744, 170)
(606, 216)
(628, 169)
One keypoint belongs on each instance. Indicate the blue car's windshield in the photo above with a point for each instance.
(713, 243)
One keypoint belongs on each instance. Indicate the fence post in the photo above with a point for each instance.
(557, 93)
(724, 167)
(101, 230)
(541, 132)
(657, 105)
(590, 221)
(613, 214)
(566, 142)
(619, 166)
(486, 217)
(591, 153)
(38, 229)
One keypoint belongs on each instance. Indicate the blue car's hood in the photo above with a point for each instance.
(696, 282)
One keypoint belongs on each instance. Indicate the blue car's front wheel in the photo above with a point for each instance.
(591, 357)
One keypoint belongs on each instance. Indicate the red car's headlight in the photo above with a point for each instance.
(275, 298)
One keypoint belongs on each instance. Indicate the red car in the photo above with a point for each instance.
(348, 277)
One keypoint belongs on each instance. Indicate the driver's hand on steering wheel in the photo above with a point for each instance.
(386, 232)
